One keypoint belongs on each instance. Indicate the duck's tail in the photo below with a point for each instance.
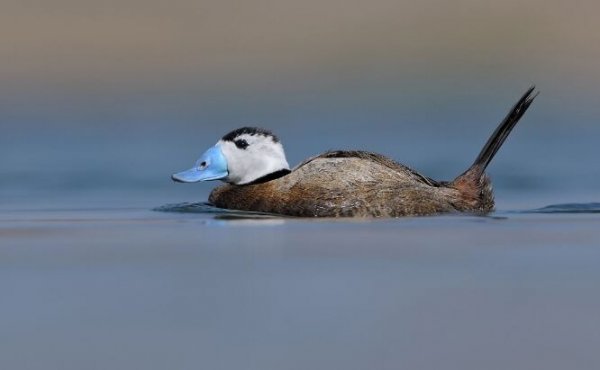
(473, 184)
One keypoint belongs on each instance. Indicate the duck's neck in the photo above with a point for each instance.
(270, 176)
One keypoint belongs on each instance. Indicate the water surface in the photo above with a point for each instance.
(187, 286)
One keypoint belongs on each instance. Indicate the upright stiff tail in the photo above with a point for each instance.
(473, 184)
(495, 141)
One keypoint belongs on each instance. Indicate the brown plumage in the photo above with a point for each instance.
(364, 184)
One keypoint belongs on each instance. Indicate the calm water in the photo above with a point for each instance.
(130, 288)
(105, 263)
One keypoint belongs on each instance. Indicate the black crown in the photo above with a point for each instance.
(249, 131)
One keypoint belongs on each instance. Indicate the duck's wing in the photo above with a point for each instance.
(374, 157)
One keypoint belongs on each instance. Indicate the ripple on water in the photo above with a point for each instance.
(592, 207)
(207, 208)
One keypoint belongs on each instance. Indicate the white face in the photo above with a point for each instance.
(246, 163)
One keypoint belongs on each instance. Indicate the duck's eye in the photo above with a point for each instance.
(202, 165)
(241, 143)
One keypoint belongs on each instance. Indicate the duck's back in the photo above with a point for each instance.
(343, 183)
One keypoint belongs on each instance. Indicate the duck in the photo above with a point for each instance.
(341, 183)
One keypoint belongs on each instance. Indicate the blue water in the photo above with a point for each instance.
(105, 263)
(131, 287)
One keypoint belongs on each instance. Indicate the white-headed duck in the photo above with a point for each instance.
(340, 183)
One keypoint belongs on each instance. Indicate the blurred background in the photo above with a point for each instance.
(101, 101)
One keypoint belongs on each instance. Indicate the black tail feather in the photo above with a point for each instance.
(501, 133)
(474, 186)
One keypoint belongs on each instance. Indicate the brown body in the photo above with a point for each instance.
(363, 184)
(354, 184)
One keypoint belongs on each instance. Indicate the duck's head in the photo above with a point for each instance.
(240, 157)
